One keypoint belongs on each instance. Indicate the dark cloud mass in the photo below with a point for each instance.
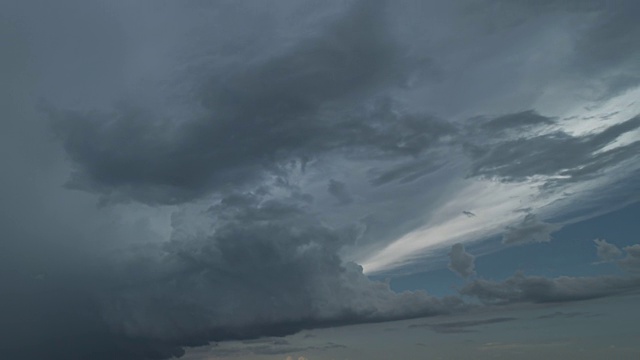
(631, 262)
(339, 190)
(255, 116)
(564, 157)
(230, 161)
(606, 251)
(261, 273)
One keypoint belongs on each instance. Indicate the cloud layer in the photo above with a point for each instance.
(244, 156)
(537, 289)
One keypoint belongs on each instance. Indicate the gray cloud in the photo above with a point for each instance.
(537, 289)
(607, 251)
(254, 116)
(631, 262)
(339, 190)
(610, 253)
(268, 269)
(603, 51)
(530, 230)
(240, 104)
(261, 273)
(405, 172)
(469, 213)
(460, 261)
(457, 327)
(557, 154)
(518, 121)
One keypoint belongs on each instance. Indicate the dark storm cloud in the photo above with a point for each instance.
(263, 266)
(259, 274)
(405, 172)
(339, 190)
(611, 44)
(461, 262)
(605, 49)
(516, 121)
(573, 158)
(294, 104)
(79, 284)
(537, 289)
(268, 269)
(530, 230)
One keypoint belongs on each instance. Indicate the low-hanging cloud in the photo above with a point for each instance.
(539, 289)
(268, 269)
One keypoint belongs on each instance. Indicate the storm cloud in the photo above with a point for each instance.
(255, 116)
(269, 269)
(176, 174)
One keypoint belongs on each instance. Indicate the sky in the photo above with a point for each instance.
(288, 179)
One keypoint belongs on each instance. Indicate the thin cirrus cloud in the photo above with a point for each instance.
(246, 187)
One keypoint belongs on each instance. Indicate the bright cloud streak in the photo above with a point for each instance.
(498, 205)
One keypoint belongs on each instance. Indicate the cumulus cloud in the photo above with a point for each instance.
(606, 251)
(631, 262)
(530, 230)
(460, 261)
(538, 289)
(268, 269)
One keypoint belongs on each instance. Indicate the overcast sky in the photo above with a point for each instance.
(182, 173)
